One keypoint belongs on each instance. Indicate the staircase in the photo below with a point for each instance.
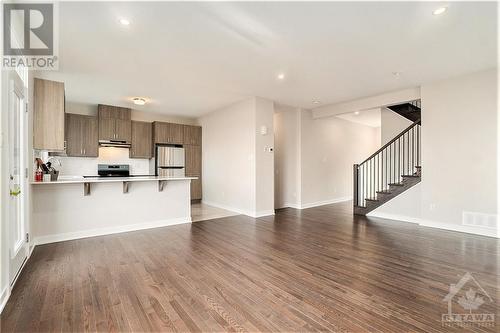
(390, 171)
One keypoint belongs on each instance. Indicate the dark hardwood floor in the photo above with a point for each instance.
(320, 269)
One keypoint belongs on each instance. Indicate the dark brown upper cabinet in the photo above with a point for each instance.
(192, 135)
(81, 135)
(168, 133)
(115, 123)
(142, 144)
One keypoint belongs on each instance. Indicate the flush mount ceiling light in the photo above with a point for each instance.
(439, 11)
(356, 113)
(281, 76)
(139, 101)
(396, 74)
(316, 102)
(124, 21)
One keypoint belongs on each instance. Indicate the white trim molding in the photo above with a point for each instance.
(324, 202)
(475, 230)
(4, 297)
(401, 218)
(109, 231)
(254, 214)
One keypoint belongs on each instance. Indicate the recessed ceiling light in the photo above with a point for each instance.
(139, 101)
(356, 113)
(439, 11)
(124, 21)
(316, 102)
(281, 76)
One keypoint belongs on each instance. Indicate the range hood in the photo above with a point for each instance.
(114, 143)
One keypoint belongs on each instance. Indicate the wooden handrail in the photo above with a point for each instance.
(391, 142)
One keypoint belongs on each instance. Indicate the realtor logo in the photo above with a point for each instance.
(470, 296)
(29, 32)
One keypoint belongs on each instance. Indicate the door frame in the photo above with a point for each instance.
(17, 85)
(9, 80)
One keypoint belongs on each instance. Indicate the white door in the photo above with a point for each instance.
(18, 245)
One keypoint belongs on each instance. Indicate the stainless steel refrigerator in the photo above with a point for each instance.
(169, 161)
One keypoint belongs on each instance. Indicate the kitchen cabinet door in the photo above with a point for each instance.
(192, 135)
(81, 136)
(142, 140)
(48, 115)
(176, 133)
(196, 190)
(90, 137)
(168, 133)
(114, 123)
(123, 130)
(73, 135)
(106, 129)
(192, 160)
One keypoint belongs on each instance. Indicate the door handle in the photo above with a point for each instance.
(15, 193)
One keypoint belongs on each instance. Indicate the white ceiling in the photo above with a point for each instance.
(192, 58)
(370, 117)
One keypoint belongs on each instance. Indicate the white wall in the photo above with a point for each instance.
(459, 142)
(329, 148)
(264, 159)
(228, 139)
(87, 166)
(286, 156)
(237, 172)
(392, 124)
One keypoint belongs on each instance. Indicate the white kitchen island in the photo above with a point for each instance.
(80, 207)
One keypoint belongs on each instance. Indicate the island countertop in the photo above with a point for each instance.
(96, 179)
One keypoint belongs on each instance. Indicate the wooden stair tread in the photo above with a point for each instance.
(410, 176)
(396, 184)
(383, 192)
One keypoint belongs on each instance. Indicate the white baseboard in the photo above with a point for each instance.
(290, 205)
(263, 213)
(396, 217)
(108, 231)
(475, 230)
(324, 202)
(4, 297)
(255, 214)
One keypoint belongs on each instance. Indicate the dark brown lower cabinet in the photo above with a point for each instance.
(193, 169)
(196, 190)
(81, 135)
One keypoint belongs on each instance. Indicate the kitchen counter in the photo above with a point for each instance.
(82, 180)
(78, 207)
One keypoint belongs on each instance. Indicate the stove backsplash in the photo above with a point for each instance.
(87, 166)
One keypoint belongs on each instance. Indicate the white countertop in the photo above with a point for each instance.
(81, 180)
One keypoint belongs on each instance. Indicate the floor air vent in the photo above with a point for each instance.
(479, 220)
